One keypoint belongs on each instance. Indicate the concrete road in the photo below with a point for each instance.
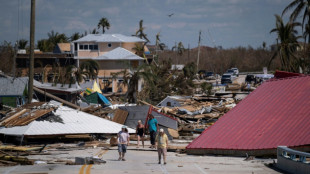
(144, 161)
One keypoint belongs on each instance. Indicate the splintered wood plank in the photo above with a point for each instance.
(120, 116)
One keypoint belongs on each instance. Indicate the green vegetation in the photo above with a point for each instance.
(103, 23)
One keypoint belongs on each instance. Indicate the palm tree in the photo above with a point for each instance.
(140, 32)
(301, 6)
(103, 23)
(44, 45)
(159, 45)
(286, 34)
(131, 80)
(90, 68)
(75, 36)
(94, 31)
(22, 43)
(139, 50)
(180, 48)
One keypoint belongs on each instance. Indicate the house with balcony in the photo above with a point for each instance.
(114, 54)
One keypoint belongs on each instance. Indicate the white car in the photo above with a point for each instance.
(236, 70)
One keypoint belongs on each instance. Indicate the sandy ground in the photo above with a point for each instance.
(140, 160)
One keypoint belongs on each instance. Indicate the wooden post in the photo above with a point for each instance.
(31, 55)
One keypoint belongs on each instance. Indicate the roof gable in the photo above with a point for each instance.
(119, 53)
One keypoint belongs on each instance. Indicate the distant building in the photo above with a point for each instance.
(114, 54)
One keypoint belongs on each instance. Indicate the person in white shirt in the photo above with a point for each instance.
(123, 141)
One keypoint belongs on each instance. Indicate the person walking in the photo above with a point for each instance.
(162, 144)
(153, 127)
(123, 141)
(140, 133)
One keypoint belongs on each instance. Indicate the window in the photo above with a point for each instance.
(88, 47)
(109, 45)
(95, 47)
(91, 47)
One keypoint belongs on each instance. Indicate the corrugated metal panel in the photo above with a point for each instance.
(70, 121)
(135, 113)
(276, 113)
(10, 86)
(141, 112)
(109, 38)
(119, 53)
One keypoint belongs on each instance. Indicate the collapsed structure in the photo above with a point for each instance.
(276, 113)
(52, 120)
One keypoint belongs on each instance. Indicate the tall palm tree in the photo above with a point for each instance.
(103, 23)
(302, 7)
(140, 32)
(286, 34)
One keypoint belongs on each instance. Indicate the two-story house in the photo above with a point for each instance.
(113, 52)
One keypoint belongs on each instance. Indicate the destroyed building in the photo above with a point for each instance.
(276, 113)
(52, 121)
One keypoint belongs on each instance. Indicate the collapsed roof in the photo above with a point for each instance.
(276, 113)
(54, 119)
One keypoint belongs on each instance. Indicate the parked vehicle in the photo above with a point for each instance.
(227, 78)
(210, 75)
(236, 70)
(232, 72)
(250, 78)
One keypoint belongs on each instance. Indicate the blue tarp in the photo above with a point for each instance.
(104, 99)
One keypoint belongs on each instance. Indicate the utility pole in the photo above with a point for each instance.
(31, 55)
(198, 49)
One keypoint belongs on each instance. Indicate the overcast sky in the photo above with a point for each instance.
(226, 23)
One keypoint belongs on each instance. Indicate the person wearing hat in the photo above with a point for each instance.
(123, 141)
(153, 128)
(140, 133)
(162, 144)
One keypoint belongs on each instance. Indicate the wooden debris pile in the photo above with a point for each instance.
(26, 114)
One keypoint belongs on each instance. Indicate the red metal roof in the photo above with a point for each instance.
(276, 113)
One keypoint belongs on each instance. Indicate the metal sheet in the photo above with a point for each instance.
(69, 121)
(276, 113)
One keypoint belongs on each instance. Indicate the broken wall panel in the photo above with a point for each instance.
(120, 116)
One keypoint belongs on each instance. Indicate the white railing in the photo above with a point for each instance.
(293, 161)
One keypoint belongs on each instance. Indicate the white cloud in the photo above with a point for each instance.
(154, 26)
(76, 25)
(177, 25)
(110, 11)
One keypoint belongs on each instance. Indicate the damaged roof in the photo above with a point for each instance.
(65, 121)
(135, 113)
(11, 86)
(276, 113)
